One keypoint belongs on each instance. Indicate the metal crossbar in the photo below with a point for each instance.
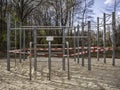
(32, 28)
(42, 27)
(51, 44)
(46, 26)
(65, 36)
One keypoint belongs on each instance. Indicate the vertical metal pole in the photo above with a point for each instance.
(89, 45)
(78, 44)
(35, 51)
(24, 44)
(82, 44)
(74, 42)
(68, 65)
(63, 41)
(30, 74)
(20, 31)
(49, 59)
(8, 41)
(15, 43)
(98, 38)
(104, 35)
(113, 38)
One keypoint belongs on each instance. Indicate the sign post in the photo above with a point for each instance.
(49, 39)
(30, 61)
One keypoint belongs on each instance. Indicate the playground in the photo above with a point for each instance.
(66, 61)
(58, 45)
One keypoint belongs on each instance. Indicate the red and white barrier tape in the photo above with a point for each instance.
(94, 49)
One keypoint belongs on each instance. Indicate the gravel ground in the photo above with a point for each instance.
(101, 77)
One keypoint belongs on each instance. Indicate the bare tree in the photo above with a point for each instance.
(23, 8)
(84, 10)
(114, 7)
(3, 9)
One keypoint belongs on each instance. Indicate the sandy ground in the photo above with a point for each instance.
(101, 77)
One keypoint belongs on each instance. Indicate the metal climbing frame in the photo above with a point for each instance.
(76, 39)
(34, 29)
(113, 24)
(36, 36)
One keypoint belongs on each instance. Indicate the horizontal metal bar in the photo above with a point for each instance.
(65, 36)
(47, 26)
(36, 28)
(47, 44)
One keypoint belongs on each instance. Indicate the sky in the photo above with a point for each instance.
(100, 5)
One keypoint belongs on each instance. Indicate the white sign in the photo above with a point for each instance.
(49, 38)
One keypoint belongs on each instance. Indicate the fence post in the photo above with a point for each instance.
(89, 45)
(98, 38)
(113, 38)
(104, 36)
(8, 41)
